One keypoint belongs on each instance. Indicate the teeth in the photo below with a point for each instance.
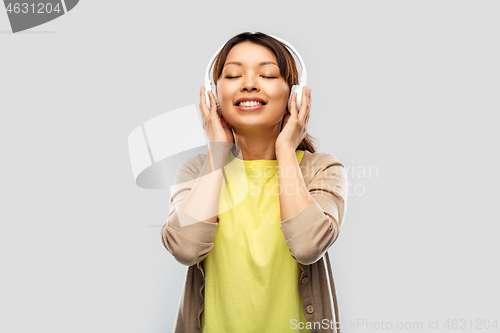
(251, 103)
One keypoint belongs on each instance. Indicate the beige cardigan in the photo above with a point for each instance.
(309, 235)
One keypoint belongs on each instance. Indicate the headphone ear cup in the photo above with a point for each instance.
(298, 89)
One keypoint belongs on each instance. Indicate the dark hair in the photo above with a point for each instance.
(286, 63)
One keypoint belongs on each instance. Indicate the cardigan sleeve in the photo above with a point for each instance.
(311, 232)
(187, 239)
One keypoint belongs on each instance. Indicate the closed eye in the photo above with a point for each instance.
(267, 77)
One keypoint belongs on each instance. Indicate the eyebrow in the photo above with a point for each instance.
(261, 64)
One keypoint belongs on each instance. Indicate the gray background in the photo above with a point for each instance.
(407, 87)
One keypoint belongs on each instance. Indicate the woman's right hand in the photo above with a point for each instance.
(215, 126)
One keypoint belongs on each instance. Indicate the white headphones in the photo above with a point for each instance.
(296, 88)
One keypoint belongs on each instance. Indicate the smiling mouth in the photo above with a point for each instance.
(252, 105)
(250, 108)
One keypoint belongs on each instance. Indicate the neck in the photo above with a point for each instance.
(257, 143)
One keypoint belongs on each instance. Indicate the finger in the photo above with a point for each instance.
(304, 103)
(285, 119)
(203, 103)
(310, 104)
(293, 109)
(213, 103)
(309, 107)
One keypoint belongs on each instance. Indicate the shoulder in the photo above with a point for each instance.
(190, 168)
(325, 171)
(197, 160)
(194, 163)
(318, 161)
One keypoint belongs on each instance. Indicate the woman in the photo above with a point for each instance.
(258, 264)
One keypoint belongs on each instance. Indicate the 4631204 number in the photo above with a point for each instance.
(39, 8)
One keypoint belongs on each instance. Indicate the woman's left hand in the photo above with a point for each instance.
(295, 123)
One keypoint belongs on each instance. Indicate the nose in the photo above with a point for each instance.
(250, 84)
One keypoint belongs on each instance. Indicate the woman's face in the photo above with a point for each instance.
(251, 70)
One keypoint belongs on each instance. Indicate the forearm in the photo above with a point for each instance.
(293, 194)
(202, 203)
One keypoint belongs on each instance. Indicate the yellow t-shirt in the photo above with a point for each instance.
(251, 279)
